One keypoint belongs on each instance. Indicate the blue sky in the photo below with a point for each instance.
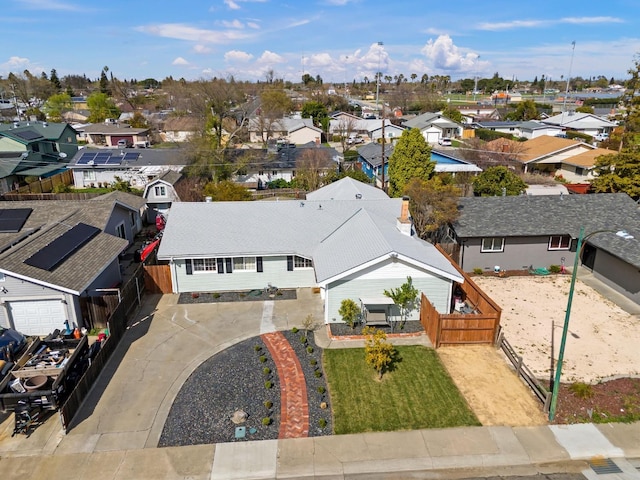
(336, 39)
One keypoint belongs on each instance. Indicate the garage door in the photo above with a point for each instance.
(432, 137)
(37, 317)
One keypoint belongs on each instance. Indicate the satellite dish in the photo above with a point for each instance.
(90, 162)
(63, 155)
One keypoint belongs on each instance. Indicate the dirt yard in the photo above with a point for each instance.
(494, 392)
(602, 343)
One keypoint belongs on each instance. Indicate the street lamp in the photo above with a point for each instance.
(582, 240)
(378, 75)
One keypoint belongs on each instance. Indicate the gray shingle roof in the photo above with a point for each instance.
(338, 235)
(347, 189)
(147, 157)
(522, 216)
(77, 272)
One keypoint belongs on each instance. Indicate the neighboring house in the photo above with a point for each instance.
(544, 154)
(295, 130)
(529, 129)
(34, 149)
(263, 166)
(92, 166)
(160, 193)
(434, 126)
(109, 134)
(370, 159)
(178, 129)
(54, 254)
(391, 132)
(479, 114)
(345, 124)
(516, 232)
(581, 168)
(586, 123)
(350, 248)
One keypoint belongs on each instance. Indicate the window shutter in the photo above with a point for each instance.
(290, 263)
(189, 266)
(259, 264)
(220, 265)
(229, 264)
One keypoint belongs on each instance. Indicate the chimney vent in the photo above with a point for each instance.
(404, 223)
(208, 199)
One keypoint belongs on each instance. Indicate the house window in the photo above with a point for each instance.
(492, 244)
(89, 175)
(260, 172)
(203, 265)
(132, 218)
(301, 262)
(35, 147)
(120, 231)
(244, 263)
(559, 242)
(579, 171)
(275, 172)
(160, 191)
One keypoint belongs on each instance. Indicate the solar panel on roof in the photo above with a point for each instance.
(29, 134)
(62, 247)
(101, 158)
(12, 219)
(114, 160)
(86, 158)
(130, 156)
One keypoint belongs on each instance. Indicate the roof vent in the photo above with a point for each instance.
(208, 199)
(302, 204)
(358, 196)
(319, 207)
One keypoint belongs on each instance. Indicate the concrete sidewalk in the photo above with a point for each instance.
(449, 453)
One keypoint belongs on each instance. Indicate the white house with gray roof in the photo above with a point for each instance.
(348, 247)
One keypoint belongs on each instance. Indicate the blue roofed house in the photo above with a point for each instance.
(370, 160)
(346, 239)
(34, 149)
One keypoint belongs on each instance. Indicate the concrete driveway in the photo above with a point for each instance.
(166, 342)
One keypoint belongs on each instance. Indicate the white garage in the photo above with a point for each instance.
(37, 317)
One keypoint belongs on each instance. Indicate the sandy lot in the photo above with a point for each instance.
(603, 340)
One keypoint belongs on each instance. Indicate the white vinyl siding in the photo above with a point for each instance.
(492, 244)
(274, 272)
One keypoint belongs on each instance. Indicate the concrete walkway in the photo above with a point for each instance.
(117, 431)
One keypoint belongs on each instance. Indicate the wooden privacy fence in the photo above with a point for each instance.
(479, 327)
(19, 197)
(157, 279)
(130, 297)
(47, 184)
(524, 372)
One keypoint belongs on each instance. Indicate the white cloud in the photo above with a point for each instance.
(186, 32)
(180, 61)
(319, 60)
(16, 62)
(237, 56)
(232, 5)
(234, 24)
(235, 4)
(589, 20)
(338, 3)
(444, 55)
(512, 24)
(201, 49)
(270, 57)
(297, 23)
(253, 25)
(51, 5)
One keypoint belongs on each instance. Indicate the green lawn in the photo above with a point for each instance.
(417, 393)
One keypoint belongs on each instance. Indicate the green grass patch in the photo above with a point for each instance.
(417, 393)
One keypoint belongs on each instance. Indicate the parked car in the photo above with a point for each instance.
(354, 139)
(601, 137)
(11, 342)
(444, 141)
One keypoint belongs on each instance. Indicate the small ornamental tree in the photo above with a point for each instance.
(404, 297)
(493, 180)
(349, 312)
(378, 351)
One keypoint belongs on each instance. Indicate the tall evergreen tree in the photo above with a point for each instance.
(411, 158)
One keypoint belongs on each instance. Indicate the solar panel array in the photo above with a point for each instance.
(131, 156)
(29, 135)
(63, 247)
(99, 158)
(12, 219)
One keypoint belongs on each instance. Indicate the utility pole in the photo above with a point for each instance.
(566, 93)
(384, 189)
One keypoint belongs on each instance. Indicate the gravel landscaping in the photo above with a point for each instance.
(233, 380)
(412, 326)
(244, 296)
